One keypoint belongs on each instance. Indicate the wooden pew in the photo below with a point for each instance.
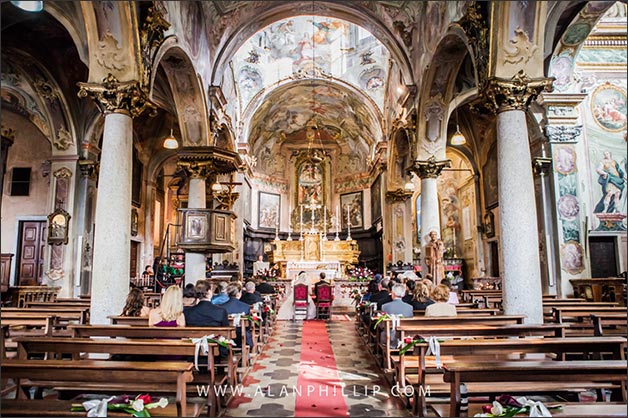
(63, 314)
(602, 371)
(58, 305)
(578, 314)
(566, 409)
(614, 324)
(501, 348)
(419, 322)
(129, 377)
(136, 321)
(76, 347)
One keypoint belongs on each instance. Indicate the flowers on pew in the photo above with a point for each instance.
(202, 344)
(508, 406)
(253, 318)
(137, 407)
(268, 310)
(361, 274)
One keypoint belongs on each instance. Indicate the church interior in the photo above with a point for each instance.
(381, 147)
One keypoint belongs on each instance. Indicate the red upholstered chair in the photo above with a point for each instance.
(300, 301)
(324, 299)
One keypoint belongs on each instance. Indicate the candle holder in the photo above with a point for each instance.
(349, 231)
(277, 234)
(289, 236)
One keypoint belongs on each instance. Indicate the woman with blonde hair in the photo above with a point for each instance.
(170, 311)
(440, 295)
(420, 296)
(134, 305)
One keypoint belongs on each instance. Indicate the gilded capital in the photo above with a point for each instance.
(542, 165)
(114, 96)
(516, 93)
(197, 169)
(398, 195)
(429, 169)
(89, 168)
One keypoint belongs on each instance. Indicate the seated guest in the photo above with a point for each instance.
(453, 296)
(250, 296)
(234, 306)
(170, 311)
(382, 296)
(236, 277)
(410, 285)
(421, 297)
(205, 313)
(189, 296)
(397, 306)
(220, 294)
(264, 288)
(321, 281)
(372, 288)
(134, 305)
(440, 307)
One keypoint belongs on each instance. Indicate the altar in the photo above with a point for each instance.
(314, 253)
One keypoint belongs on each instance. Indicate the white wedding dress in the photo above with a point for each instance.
(286, 312)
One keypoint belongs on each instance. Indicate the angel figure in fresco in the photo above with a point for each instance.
(613, 182)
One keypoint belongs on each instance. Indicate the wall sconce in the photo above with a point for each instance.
(170, 142)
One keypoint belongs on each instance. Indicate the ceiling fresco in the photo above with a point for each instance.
(342, 119)
(309, 45)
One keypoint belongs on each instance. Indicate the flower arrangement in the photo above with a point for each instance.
(508, 406)
(360, 274)
(268, 310)
(356, 295)
(137, 407)
(253, 318)
(268, 275)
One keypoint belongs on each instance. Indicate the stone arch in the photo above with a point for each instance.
(331, 9)
(187, 91)
(38, 97)
(438, 90)
(566, 47)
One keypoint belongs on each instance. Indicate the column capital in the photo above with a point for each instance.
(197, 169)
(398, 195)
(430, 168)
(563, 134)
(114, 96)
(89, 168)
(542, 165)
(516, 93)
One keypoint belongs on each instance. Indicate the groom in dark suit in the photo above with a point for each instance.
(205, 313)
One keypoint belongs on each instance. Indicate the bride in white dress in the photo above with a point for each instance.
(286, 312)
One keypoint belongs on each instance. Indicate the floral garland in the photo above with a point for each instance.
(253, 318)
(508, 406)
(268, 275)
(137, 407)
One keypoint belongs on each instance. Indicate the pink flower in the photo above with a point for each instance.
(407, 340)
(145, 398)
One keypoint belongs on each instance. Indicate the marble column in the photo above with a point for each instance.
(542, 167)
(195, 261)
(84, 222)
(428, 171)
(519, 244)
(119, 101)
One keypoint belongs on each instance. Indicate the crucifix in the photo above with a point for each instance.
(312, 207)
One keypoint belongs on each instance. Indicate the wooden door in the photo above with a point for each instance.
(494, 245)
(30, 262)
(135, 246)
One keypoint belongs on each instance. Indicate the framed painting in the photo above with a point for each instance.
(269, 206)
(489, 177)
(376, 200)
(351, 204)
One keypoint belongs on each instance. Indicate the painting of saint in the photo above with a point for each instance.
(310, 179)
(612, 179)
(351, 204)
(268, 210)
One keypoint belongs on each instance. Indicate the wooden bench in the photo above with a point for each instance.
(77, 347)
(597, 409)
(129, 377)
(603, 371)
(578, 314)
(136, 321)
(500, 348)
(614, 324)
(76, 314)
(57, 305)
(383, 342)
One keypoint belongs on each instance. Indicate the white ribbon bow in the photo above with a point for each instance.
(396, 321)
(96, 407)
(201, 344)
(537, 408)
(236, 319)
(434, 348)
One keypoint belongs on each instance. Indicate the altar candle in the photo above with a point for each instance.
(324, 220)
(301, 218)
(289, 215)
(348, 219)
(337, 219)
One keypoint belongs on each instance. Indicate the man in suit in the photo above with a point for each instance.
(250, 296)
(398, 306)
(382, 296)
(320, 281)
(265, 288)
(234, 306)
(205, 314)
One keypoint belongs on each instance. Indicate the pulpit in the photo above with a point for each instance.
(314, 253)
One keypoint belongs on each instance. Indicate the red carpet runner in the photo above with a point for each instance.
(321, 390)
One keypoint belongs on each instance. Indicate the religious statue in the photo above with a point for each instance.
(434, 252)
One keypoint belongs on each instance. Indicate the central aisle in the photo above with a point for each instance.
(327, 360)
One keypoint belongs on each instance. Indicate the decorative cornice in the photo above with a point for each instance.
(542, 165)
(517, 93)
(200, 162)
(114, 96)
(8, 133)
(429, 169)
(398, 195)
(563, 134)
(63, 172)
